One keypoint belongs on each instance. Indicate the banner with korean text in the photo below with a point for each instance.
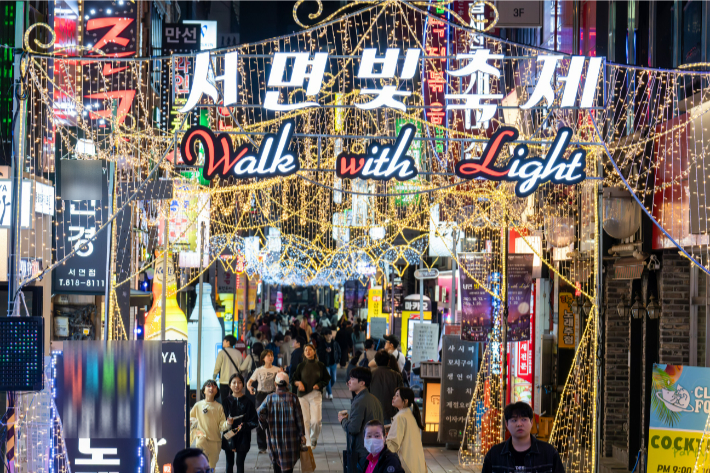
(680, 403)
(520, 267)
(476, 302)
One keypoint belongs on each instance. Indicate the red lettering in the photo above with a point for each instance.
(468, 168)
(349, 167)
(111, 36)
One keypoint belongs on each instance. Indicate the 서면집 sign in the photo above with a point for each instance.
(457, 384)
(85, 272)
(680, 402)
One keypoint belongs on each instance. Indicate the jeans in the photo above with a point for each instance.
(332, 369)
(260, 433)
(241, 456)
(312, 409)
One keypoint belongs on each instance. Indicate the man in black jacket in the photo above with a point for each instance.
(329, 355)
(380, 457)
(296, 354)
(522, 452)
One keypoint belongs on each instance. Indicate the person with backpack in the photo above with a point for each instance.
(369, 354)
(385, 383)
(392, 347)
(229, 362)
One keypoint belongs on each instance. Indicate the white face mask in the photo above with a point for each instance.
(374, 445)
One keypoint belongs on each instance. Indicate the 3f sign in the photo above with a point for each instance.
(517, 12)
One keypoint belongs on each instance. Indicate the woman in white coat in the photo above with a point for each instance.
(405, 435)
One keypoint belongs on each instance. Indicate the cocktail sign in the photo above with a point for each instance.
(272, 159)
(528, 174)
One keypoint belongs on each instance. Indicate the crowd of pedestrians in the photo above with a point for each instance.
(290, 367)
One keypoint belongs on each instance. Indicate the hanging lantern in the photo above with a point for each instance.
(559, 230)
(622, 214)
(637, 309)
(653, 309)
(622, 308)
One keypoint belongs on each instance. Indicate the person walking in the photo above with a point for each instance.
(364, 408)
(380, 458)
(239, 407)
(297, 354)
(306, 327)
(207, 422)
(229, 361)
(405, 435)
(385, 383)
(264, 376)
(310, 378)
(392, 347)
(280, 414)
(369, 354)
(358, 338)
(522, 451)
(329, 355)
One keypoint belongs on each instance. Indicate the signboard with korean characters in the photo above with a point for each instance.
(457, 384)
(397, 157)
(78, 222)
(181, 38)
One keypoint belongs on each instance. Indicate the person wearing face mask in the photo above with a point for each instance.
(309, 380)
(379, 459)
(207, 422)
(240, 408)
(405, 435)
(364, 408)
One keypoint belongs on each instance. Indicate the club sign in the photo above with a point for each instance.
(385, 162)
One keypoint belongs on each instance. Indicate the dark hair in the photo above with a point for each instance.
(518, 409)
(180, 457)
(278, 337)
(382, 358)
(236, 375)
(264, 353)
(326, 331)
(301, 341)
(369, 343)
(231, 339)
(356, 328)
(362, 373)
(408, 395)
(258, 335)
(211, 382)
(375, 423)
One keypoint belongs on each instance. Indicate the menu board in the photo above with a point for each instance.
(457, 385)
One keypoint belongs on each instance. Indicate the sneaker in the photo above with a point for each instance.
(313, 444)
(262, 451)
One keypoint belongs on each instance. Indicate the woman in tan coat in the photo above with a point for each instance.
(405, 435)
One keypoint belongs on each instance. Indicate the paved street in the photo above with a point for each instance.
(328, 453)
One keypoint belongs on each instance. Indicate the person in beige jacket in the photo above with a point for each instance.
(405, 435)
(207, 422)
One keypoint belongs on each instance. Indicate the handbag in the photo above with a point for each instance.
(308, 463)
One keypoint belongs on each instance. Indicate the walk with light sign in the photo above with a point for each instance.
(305, 71)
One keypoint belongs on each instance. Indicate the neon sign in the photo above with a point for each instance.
(377, 163)
(528, 174)
(272, 159)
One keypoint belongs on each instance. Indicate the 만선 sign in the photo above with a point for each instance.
(385, 162)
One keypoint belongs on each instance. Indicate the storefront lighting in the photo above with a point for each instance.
(622, 216)
(653, 309)
(622, 308)
(637, 308)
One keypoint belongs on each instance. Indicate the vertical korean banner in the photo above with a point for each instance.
(457, 384)
(433, 83)
(680, 402)
(566, 319)
(79, 220)
(520, 282)
(476, 302)
(374, 303)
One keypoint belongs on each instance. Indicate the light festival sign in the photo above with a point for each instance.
(385, 162)
(303, 67)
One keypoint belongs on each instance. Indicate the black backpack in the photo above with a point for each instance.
(405, 376)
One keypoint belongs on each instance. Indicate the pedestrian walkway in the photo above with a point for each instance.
(328, 453)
